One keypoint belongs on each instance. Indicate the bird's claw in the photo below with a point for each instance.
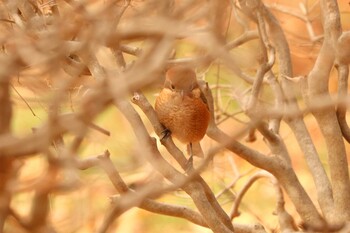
(165, 134)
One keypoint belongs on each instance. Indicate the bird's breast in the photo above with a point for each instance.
(187, 117)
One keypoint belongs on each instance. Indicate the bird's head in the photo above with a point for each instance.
(181, 79)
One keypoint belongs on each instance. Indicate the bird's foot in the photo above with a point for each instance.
(165, 134)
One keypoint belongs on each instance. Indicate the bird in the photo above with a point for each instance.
(183, 110)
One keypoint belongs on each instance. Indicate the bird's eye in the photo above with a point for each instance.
(172, 87)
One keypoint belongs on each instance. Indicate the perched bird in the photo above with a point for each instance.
(182, 108)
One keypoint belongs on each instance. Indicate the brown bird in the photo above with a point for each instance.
(182, 108)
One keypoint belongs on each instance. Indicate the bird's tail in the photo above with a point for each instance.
(196, 149)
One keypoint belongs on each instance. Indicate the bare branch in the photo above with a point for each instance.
(279, 166)
(145, 203)
(234, 211)
(343, 73)
(328, 122)
(297, 124)
(287, 223)
(194, 189)
(342, 61)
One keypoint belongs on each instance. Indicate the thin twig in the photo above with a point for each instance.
(260, 174)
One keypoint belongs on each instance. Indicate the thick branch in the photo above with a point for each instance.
(343, 73)
(328, 122)
(297, 124)
(342, 65)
